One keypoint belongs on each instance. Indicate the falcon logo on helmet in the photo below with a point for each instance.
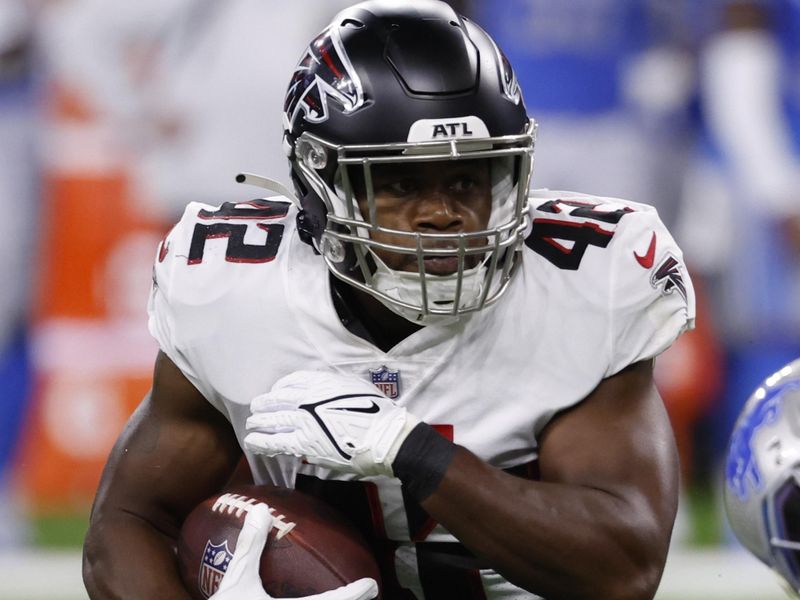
(324, 72)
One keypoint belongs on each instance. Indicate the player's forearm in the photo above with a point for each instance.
(127, 558)
(556, 540)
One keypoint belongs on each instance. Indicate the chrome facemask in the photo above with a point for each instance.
(348, 247)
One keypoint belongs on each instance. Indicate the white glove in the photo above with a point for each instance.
(242, 581)
(333, 420)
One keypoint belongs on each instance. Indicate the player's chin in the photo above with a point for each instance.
(441, 265)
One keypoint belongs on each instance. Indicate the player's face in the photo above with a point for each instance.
(437, 197)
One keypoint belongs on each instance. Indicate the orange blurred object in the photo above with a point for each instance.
(93, 355)
(689, 378)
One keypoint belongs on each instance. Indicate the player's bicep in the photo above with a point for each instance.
(175, 450)
(618, 440)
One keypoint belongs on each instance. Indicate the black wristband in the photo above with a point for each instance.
(422, 460)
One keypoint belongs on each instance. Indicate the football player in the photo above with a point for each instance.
(462, 366)
(762, 482)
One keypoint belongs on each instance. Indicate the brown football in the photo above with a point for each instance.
(310, 549)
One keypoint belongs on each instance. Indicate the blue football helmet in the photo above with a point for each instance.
(762, 474)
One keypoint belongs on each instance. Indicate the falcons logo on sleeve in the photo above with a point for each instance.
(668, 277)
(324, 72)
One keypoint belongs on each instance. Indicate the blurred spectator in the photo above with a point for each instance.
(609, 82)
(743, 195)
(18, 204)
(18, 174)
(194, 88)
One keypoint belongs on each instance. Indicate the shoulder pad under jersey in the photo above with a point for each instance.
(209, 255)
(627, 264)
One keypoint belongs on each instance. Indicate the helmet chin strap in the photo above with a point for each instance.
(406, 287)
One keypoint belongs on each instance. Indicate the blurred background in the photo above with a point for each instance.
(115, 114)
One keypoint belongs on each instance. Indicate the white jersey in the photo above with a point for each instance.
(239, 301)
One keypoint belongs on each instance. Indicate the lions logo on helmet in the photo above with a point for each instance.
(762, 474)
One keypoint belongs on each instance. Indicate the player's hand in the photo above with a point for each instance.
(332, 420)
(242, 581)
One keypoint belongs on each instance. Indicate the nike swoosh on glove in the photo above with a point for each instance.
(242, 581)
(336, 421)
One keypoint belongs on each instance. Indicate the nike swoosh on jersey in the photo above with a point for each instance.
(649, 257)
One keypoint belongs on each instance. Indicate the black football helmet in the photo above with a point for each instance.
(392, 81)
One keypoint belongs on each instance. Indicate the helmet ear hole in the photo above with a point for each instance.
(312, 217)
(305, 230)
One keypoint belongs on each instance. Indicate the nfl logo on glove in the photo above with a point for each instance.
(215, 562)
(387, 381)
